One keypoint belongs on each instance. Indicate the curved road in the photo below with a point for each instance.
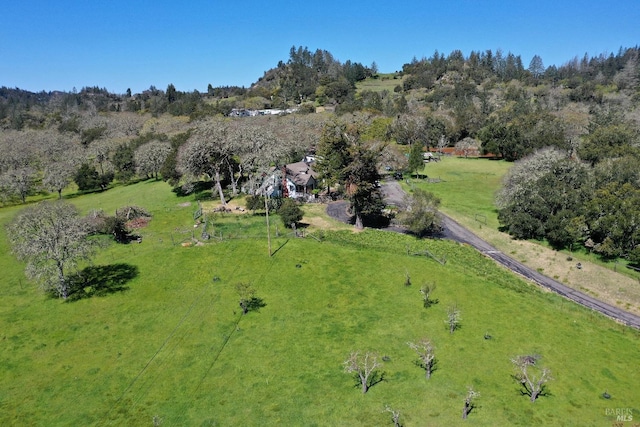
(394, 194)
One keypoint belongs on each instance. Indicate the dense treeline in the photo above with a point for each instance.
(555, 196)
(305, 77)
(585, 112)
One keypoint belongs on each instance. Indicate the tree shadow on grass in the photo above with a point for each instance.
(420, 364)
(102, 280)
(372, 221)
(195, 188)
(525, 391)
(253, 304)
(375, 378)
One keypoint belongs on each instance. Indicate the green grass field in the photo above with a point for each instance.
(467, 190)
(467, 186)
(384, 82)
(172, 343)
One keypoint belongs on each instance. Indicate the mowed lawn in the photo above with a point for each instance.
(172, 346)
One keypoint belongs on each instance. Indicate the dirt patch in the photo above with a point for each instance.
(185, 204)
(315, 215)
(137, 223)
(236, 207)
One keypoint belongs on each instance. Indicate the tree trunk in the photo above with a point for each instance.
(62, 281)
(534, 395)
(358, 223)
(218, 185)
(234, 181)
(465, 411)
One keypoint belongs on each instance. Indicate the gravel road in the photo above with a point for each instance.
(394, 194)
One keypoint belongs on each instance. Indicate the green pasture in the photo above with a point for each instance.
(166, 337)
(383, 82)
(466, 187)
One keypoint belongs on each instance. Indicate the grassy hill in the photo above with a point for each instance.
(169, 341)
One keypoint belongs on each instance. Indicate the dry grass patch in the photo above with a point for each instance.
(315, 215)
(234, 206)
(166, 124)
(609, 286)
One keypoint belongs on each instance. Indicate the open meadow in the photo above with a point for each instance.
(467, 190)
(160, 339)
(384, 82)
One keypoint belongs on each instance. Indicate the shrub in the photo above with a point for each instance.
(254, 203)
(290, 212)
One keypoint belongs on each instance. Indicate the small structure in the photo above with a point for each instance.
(295, 180)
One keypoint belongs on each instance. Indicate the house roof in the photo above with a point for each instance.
(301, 173)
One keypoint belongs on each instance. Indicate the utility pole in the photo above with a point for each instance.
(266, 208)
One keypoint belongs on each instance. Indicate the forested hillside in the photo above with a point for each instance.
(573, 129)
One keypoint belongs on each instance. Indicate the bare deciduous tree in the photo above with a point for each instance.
(365, 366)
(409, 129)
(205, 153)
(392, 157)
(58, 175)
(424, 350)
(256, 148)
(151, 156)
(395, 415)
(443, 143)
(469, 403)
(51, 238)
(532, 377)
(453, 318)
(468, 146)
(20, 181)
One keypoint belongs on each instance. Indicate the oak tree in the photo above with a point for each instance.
(205, 153)
(52, 239)
(150, 157)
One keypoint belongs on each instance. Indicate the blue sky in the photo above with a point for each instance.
(119, 44)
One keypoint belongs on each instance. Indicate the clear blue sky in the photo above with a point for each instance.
(120, 44)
